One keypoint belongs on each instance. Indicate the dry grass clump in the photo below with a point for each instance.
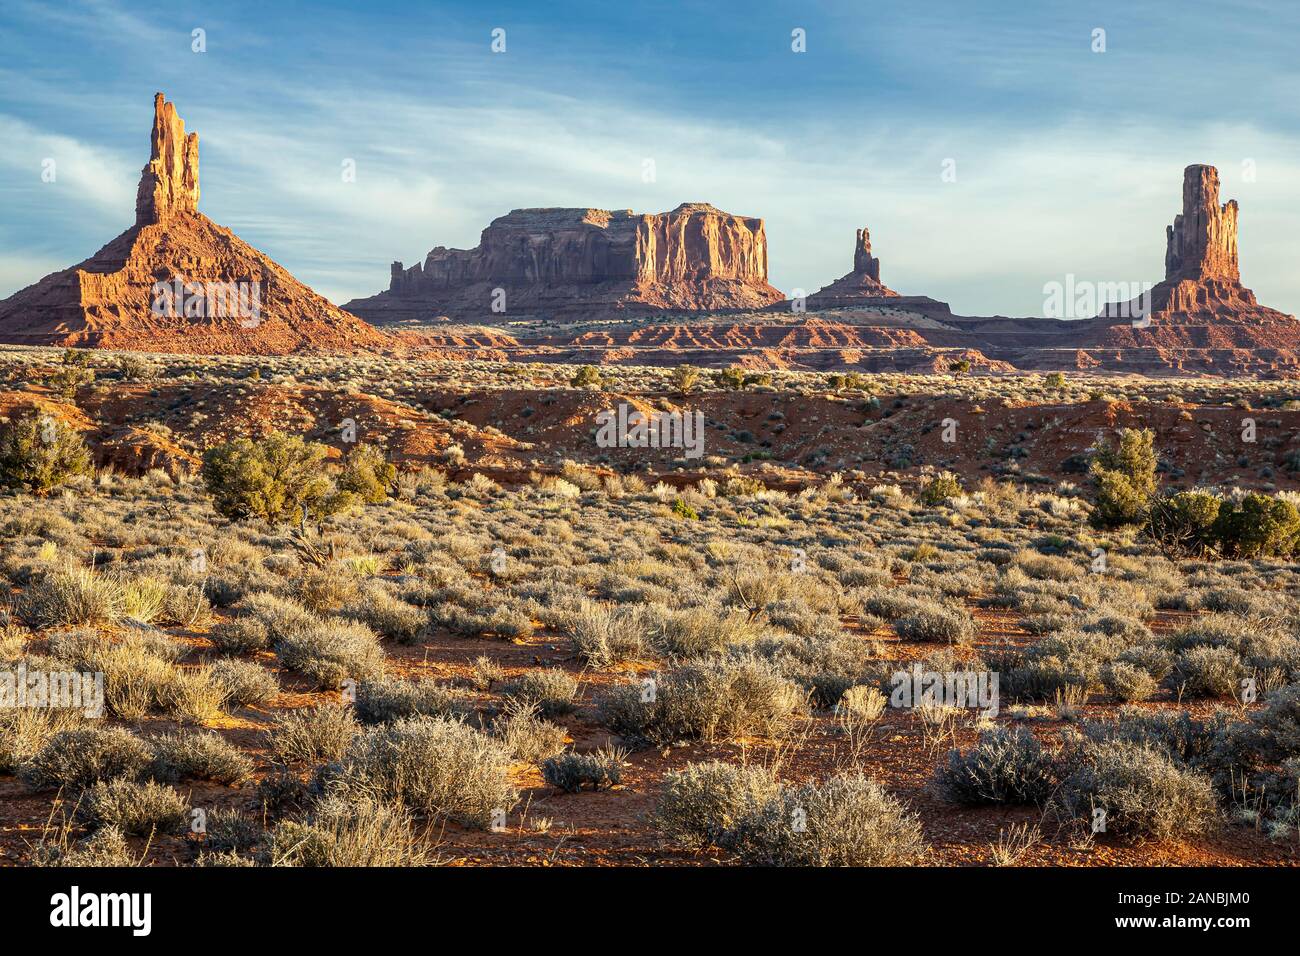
(311, 735)
(80, 757)
(138, 809)
(354, 832)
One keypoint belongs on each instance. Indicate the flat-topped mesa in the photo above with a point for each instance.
(169, 182)
(578, 261)
(1202, 242)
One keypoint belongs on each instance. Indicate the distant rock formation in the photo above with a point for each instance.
(1203, 277)
(178, 282)
(582, 262)
(857, 287)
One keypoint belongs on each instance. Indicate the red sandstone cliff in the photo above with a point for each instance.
(577, 262)
(232, 298)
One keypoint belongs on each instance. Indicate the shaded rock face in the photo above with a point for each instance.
(178, 282)
(574, 262)
(863, 262)
(169, 182)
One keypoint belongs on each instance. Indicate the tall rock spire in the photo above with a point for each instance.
(1202, 242)
(169, 182)
(863, 262)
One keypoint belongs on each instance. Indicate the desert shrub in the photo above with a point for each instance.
(389, 616)
(1259, 526)
(940, 489)
(1276, 726)
(281, 617)
(551, 689)
(193, 696)
(239, 635)
(197, 756)
(367, 474)
(684, 378)
(1005, 766)
(278, 479)
(1182, 737)
(106, 847)
(139, 809)
(936, 623)
(71, 597)
(605, 635)
(716, 698)
(571, 771)
(1156, 661)
(39, 453)
(527, 736)
(354, 832)
(80, 757)
(697, 631)
(385, 699)
(311, 735)
(435, 765)
(1124, 478)
(331, 652)
(699, 804)
(1209, 671)
(1128, 682)
(244, 682)
(1182, 524)
(587, 377)
(847, 821)
(231, 830)
(1141, 791)
(25, 730)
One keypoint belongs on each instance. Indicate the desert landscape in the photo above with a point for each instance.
(588, 546)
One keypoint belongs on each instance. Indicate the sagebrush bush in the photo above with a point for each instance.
(386, 699)
(605, 635)
(139, 809)
(699, 804)
(311, 735)
(1209, 671)
(72, 597)
(81, 757)
(197, 756)
(936, 623)
(435, 765)
(239, 635)
(243, 682)
(352, 832)
(849, 820)
(1005, 766)
(716, 698)
(553, 691)
(1129, 682)
(526, 735)
(331, 652)
(570, 772)
(1143, 793)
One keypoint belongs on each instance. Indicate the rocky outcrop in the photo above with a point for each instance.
(178, 282)
(858, 287)
(169, 182)
(583, 262)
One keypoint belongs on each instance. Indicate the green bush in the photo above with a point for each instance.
(587, 377)
(1124, 476)
(1259, 526)
(39, 453)
(367, 474)
(278, 479)
(940, 489)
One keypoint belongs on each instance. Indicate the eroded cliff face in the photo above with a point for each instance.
(178, 282)
(1202, 242)
(574, 262)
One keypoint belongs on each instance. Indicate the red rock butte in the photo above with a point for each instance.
(232, 298)
(578, 262)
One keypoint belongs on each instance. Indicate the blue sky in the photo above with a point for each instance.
(1067, 160)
